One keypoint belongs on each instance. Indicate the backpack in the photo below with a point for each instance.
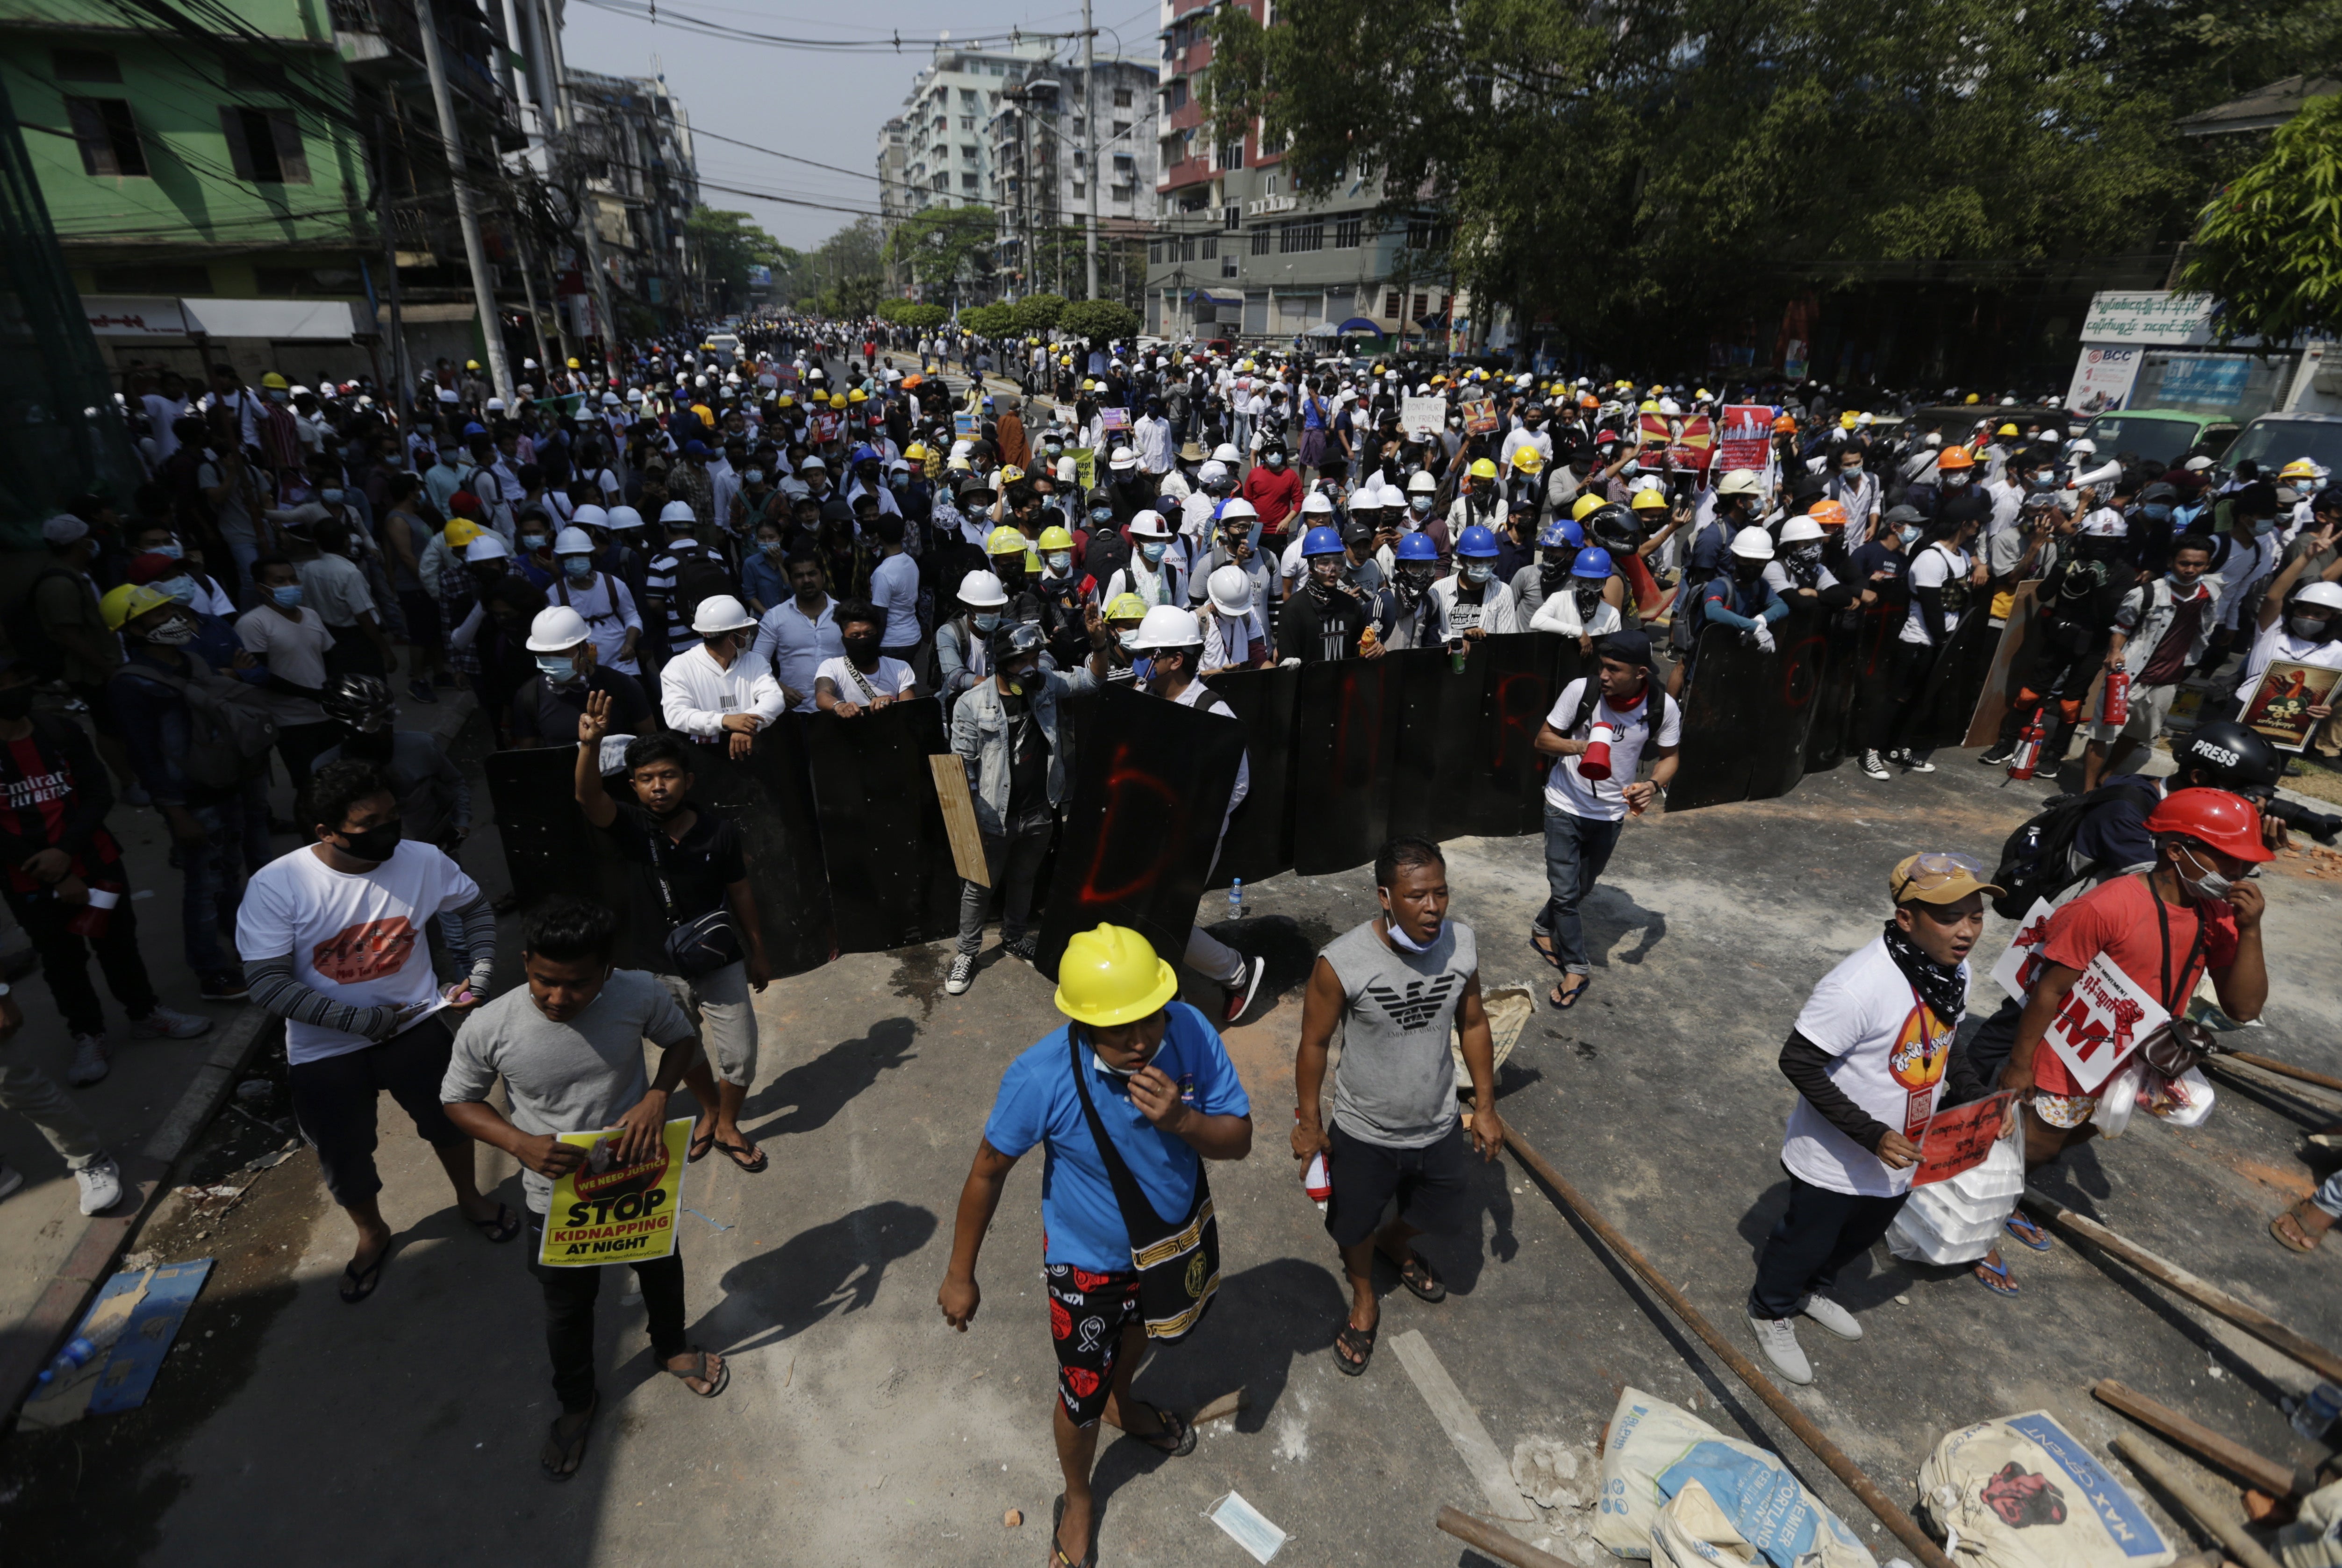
(698, 577)
(229, 727)
(28, 638)
(1653, 695)
(2037, 861)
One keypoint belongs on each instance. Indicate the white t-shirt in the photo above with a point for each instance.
(1890, 1051)
(893, 678)
(1604, 800)
(1937, 565)
(355, 937)
(2274, 642)
(294, 650)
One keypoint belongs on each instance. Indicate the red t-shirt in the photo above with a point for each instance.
(1274, 493)
(2118, 920)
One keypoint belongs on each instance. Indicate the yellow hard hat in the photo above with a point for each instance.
(471, 365)
(1589, 502)
(1054, 538)
(1657, 387)
(1009, 475)
(837, 400)
(1649, 405)
(2299, 468)
(1529, 460)
(125, 603)
(914, 452)
(1648, 500)
(1088, 385)
(460, 531)
(1971, 397)
(1482, 468)
(275, 383)
(785, 401)
(1111, 975)
(1004, 541)
(1126, 607)
(575, 366)
(857, 395)
(2006, 430)
(1846, 420)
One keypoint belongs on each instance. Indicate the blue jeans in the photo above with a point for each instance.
(1576, 848)
(211, 882)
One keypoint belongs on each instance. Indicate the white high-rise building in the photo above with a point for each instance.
(947, 144)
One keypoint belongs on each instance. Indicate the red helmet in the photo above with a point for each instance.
(2225, 821)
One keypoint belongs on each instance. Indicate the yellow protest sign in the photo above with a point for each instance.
(605, 1213)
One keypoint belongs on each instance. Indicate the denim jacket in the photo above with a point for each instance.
(980, 738)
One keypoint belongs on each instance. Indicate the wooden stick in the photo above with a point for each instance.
(2240, 1546)
(1483, 1537)
(2203, 1293)
(2253, 1469)
(1907, 1530)
(2284, 1069)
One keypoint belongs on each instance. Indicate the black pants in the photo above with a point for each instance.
(1819, 1234)
(1906, 682)
(335, 1098)
(569, 1314)
(65, 960)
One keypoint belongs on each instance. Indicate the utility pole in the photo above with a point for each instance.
(467, 216)
(404, 391)
(565, 108)
(1090, 135)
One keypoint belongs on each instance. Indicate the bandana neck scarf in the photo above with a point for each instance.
(1938, 987)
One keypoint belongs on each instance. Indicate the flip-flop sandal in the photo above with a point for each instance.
(1565, 1000)
(563, 1461)
(503, 1228)
(1994, 1279)
(1416, 1277)
(733, 1151)
(1179, 1432)
(2298, 1239)
(718, 1384)
(697, 1150)
(2029, 1232)
(1357, 1342)
(1057, 1558)
(359, 1283)
(1542, 945)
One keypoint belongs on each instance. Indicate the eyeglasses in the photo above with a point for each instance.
(1933, 869)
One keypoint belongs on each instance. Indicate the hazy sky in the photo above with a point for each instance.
(824, 105)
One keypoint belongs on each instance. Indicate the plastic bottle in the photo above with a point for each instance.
(78, 1352)
(1316, 1181)
(2315, 1414)
(1235, 899)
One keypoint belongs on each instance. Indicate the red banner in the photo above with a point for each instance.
(1748, 438)
(1959, 1139)
(1689, 443)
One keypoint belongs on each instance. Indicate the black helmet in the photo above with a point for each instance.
(2237, 758)
(1614, 527)
(361, 703)
(1014, 637)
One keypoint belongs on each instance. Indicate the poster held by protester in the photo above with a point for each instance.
(1480, 418)
(2279, 703)
(2105, 1018)
(607, 1213)
(2020, 966)
(1959, 1139)
(1114, 418)
(1423, 417)
(1746, 441)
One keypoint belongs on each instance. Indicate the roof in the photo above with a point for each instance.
(2263, 109)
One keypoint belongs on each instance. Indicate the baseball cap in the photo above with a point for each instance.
(1937, 876)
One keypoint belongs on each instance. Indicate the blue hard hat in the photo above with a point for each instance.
(1476, 543)
(1418, 546)
(865, 453)
(1321, 542)
(1560, 533)
(475, 428)
(1592, 562)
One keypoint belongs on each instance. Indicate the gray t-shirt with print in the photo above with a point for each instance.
(1395, 1082)
(574, 1077)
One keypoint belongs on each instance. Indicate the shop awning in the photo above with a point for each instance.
(324, 319)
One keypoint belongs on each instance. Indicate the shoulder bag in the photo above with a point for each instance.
(702, 944)
(1178, 1262)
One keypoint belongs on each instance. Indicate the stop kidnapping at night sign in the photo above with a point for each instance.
(605, 1213)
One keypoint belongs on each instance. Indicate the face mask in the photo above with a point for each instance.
(1476, 571)
(1909, 535)
(1153, 549)
(1957, 478)
(1420, 504)
(558, 668)
(16, 702)
(2156, 512)
(860, 648)
(182, 589)
(1100, 516)
(578, 567)
(331, 497)
(1061, 562)
(171, 550)
(988, 620)
(1401, 940)
(755, 476)
(376, 844)
(2264, 526)
(771, 547)
(1128, 637)
(2307, 626)
(2210, 885)
(287, 597)
(176, 632)
(534, 541)
(1852, 471)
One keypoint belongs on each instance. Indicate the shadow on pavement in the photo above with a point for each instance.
(809, 1094)
(831, 1269)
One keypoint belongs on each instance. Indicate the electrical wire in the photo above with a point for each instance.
(887, 43)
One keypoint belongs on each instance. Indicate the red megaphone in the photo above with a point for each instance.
(1594, 764)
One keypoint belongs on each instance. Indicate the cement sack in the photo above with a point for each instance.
(1694, 1532)
(2021, 1491)
(1653, 1449)
(2314, 1539)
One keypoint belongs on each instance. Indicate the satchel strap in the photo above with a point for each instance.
(1138, 1216)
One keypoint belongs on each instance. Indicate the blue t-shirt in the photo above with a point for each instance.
(1039, 1104)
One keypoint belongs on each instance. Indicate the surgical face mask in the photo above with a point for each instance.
(1100, 516)
(182, 588)
(578, 567)
(176, 632)
(754, 476)
(1420, 505)
(1851, 470)
(559, 668)
(1276, 460)
(2264, 526)
(2210, 884)
(2308, 626)
(988, 620)
(1153, 549)
(288, 596)
(769, 547)
(331, 497)
(1909, 535)
(172, 550)
(2156, 512)
(1957, 477)
(1127, 637)
(1061, 562)
(534, 541)
(1477, 571)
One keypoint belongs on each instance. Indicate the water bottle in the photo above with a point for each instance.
(1236, 898)
(2316, 1412)
(77, 1353)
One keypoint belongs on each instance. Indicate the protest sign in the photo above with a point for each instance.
(1114, 418)
(1423, 417)
(1481, 418)
(1959, 1139)
(2280, 704)
(2020, 966)
(605, 1213)
(2105, 1015)
(1746, 438)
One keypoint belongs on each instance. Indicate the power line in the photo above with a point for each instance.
(792, 157)
(882, 43)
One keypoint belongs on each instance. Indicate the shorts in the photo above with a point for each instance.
(1433, 1184)
(1087, 1314)
(2150, 706)
(718, 1003)
(334, 1104)
(2065, 1111)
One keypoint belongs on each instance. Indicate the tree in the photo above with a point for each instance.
(925, 317)
(1037, 313)
(729, 243)
(846, 274)
(945, 248)
(2268, 248)
(1098, 320)
(988, 320)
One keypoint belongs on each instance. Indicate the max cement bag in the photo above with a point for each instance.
(1654, 1450)
(2022, 1492)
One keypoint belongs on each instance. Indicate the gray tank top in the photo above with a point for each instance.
(1395, 1082)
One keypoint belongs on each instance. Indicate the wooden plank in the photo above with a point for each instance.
(2230, 1534)
(1484, 1537)
(959, 818)
(2267, 1475)
(1462, 1423)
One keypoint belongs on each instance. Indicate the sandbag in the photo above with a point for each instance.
(1694, 1532)
(1655, 1450)
(2021, 1491)
(1957, 1221)
(2314, 1539)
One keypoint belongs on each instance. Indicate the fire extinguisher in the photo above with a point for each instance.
(2117, 696)
(2027, 755)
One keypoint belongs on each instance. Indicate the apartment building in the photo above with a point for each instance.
(1040, 148)
(946, 118)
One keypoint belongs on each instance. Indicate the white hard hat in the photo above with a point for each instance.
(625, 517)
(609, 400)
(1225, 452)
(1799, 530)
(555, 629)
(1149, 525)
(678, 512)
(1069, 471)
(2083, 444)
(1123, 461)
(2105, 522)
(1212, 472)
(1668, 406)
(2325, 596)
(1231, 590)
(1753, 545)
(1237, 507)
(573, 542)
(982, 591)
(496, 405)
(1740, 482)
(1934, 438)
(1317, 505)
(586, 516)
(721, 613)
(1423, 484)
(488, 547)
(1168, 626)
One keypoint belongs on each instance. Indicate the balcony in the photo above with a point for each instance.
(1185, 172)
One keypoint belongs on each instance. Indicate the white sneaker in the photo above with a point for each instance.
(10, 1180)
(164, 1024)
(90, 1062)
(962, 976)
(1873, 766)
(1777, 1338)
(1832, 1317)
(101, 1185)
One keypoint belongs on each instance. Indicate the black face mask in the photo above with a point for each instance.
(861, 649)
(16, 702)
(376, 844)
